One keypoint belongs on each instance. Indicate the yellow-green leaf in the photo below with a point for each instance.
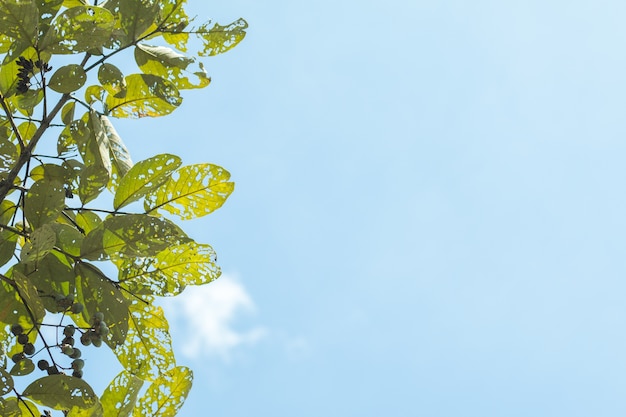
(8, 239)
(29, 295)
(147, 351)
(172, 66)
(39, 244)
(120, 396)
(144, 177)
(78, 29)
(67, 113)
(146, 96)
(121, 161)
(219, 39)
(8, 156)
(44, 202)
(131, 235)
(111, 78)
(172, 270)
(166, 395)
(18, 19)
(99, 294)
(6, 382)
(68, 78)
(192, 191)
(95, 411)
(61, 392)
(135, 17)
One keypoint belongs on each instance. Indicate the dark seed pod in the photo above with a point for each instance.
(16, 329)
(22, 339)
(29, 348)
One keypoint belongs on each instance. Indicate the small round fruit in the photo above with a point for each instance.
(97, 341)
(67, 349)
(98, 316)
(29, 348)
(68, 340)
(78, 364)
(17, 329)
(17, 357)
(69, 330)
(43, 364)
(77, 308)
(77, 374)
(22, 339)
(85, 339)
(77, 353)
(53, 370)
(102, 330)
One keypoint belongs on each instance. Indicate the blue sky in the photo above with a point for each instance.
(429, 212)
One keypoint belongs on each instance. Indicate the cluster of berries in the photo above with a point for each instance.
(66, 303)
(92, 335)
(28, 348)
(98, 330)
(27, 70)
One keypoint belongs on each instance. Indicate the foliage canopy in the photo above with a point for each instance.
(53, 241)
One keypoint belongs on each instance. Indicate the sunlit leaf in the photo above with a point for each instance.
(8, 239)
(146, 95)
(147, 351)
(219, 39)
(111, 78)
(120, 396)
(18, 19)
(95, 411)
(98, 294)
(67, 113)
(166, 395)
(135, 17)
(192, 191)
(78, 29)
(68, 78)
(61, 392)
(121, 161)
(39, 244)
(44, 202)
(28, 294)
(8, 156)
(172, 270)
(132, 235)
(144, 177)
(6, 382)
(172, 66)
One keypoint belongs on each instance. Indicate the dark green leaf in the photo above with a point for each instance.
(68, 78)
(61, 392)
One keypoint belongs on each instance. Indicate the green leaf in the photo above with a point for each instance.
(6, 382)
(166, 395)
(111, 78)
(11, 307)
(95, 411)
(121, 161)
(131, 235)
(91, 182)
(99, 294)
(67, 113)
(147, 351)
(79, 29)
(51, 277)
(9, 408)
(146, 96)
(88, 221)
(192, 191)
(19, 19)
(44, 202)
(8, 156)
(23, 367)
(172, 270)
(61, 392)
(120, 396)
(68, 78)
(220, 39)
(29, 295)
(27, 408)
(48, 9)
(8, 239)
(172, 66)
(144, 177)
(134, 16)
(68, 238)
(51, 172)
(41, 242)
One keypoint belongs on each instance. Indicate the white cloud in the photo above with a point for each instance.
(204, 315)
